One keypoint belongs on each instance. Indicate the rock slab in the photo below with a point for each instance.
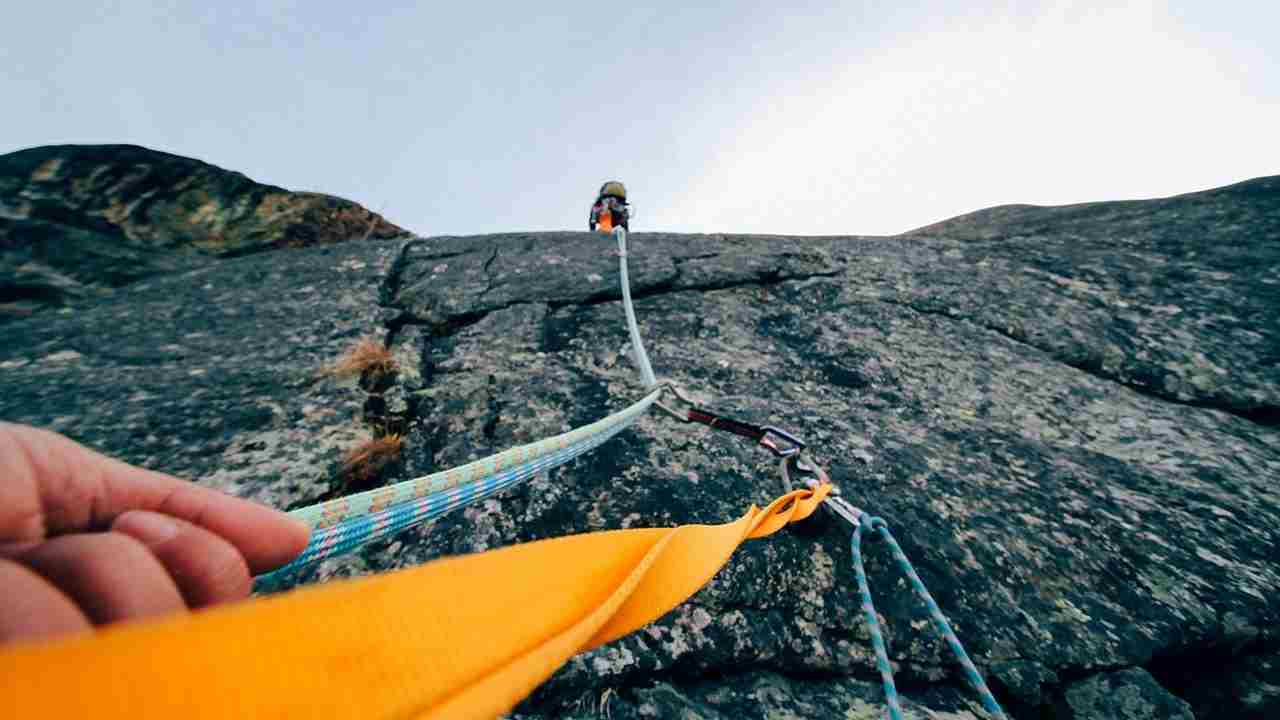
(1067, 424)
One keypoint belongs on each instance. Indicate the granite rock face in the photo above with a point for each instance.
(1066, 416)
(1175, 298)
(78, 220)
(1130, 694)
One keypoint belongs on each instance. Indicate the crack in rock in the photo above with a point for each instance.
(1267, 416)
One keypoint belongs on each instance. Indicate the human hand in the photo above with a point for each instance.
(87, 540)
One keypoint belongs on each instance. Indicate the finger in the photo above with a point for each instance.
(32, 609)
(206, 568)
(54, 485)
(110, 576)
(266, 538)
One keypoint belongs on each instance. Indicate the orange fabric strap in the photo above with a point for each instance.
(463, 637)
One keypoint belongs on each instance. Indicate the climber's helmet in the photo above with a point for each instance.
(614, 189)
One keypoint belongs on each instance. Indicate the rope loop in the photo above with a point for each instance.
(873, 522)
(939, 621)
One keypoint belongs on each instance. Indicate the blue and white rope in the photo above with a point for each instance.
(342, 525)
(350, 533)
(935, 614)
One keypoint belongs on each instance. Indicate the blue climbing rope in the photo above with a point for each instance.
(935, 614)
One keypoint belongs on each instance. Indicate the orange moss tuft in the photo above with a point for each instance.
(368, 355)
(364, 463)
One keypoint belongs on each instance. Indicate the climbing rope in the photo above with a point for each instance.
(340, 526)
(637, 347)
(935, 615)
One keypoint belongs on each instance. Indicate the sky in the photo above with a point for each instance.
(805, 118)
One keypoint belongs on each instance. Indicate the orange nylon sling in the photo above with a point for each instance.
(463, 637)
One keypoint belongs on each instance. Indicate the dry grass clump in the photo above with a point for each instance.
(364, 463)
(367, 356)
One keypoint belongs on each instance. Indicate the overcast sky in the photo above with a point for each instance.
(834, 118)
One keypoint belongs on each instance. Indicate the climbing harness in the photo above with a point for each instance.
(468, 636)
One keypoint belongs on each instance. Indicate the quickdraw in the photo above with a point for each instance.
(776, 440)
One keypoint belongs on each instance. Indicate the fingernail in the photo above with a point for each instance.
(151, 528)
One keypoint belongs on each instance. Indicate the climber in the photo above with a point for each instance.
(610, 209)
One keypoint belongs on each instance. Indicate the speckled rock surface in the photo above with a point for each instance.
(78, 220)
(1130, 694)
(216, 374)
(1174, 297)
(1069, 516)
(755, 694)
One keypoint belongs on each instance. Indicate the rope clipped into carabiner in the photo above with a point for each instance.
(935, 615)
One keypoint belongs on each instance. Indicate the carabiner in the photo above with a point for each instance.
(768, 441)
(814, 475)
